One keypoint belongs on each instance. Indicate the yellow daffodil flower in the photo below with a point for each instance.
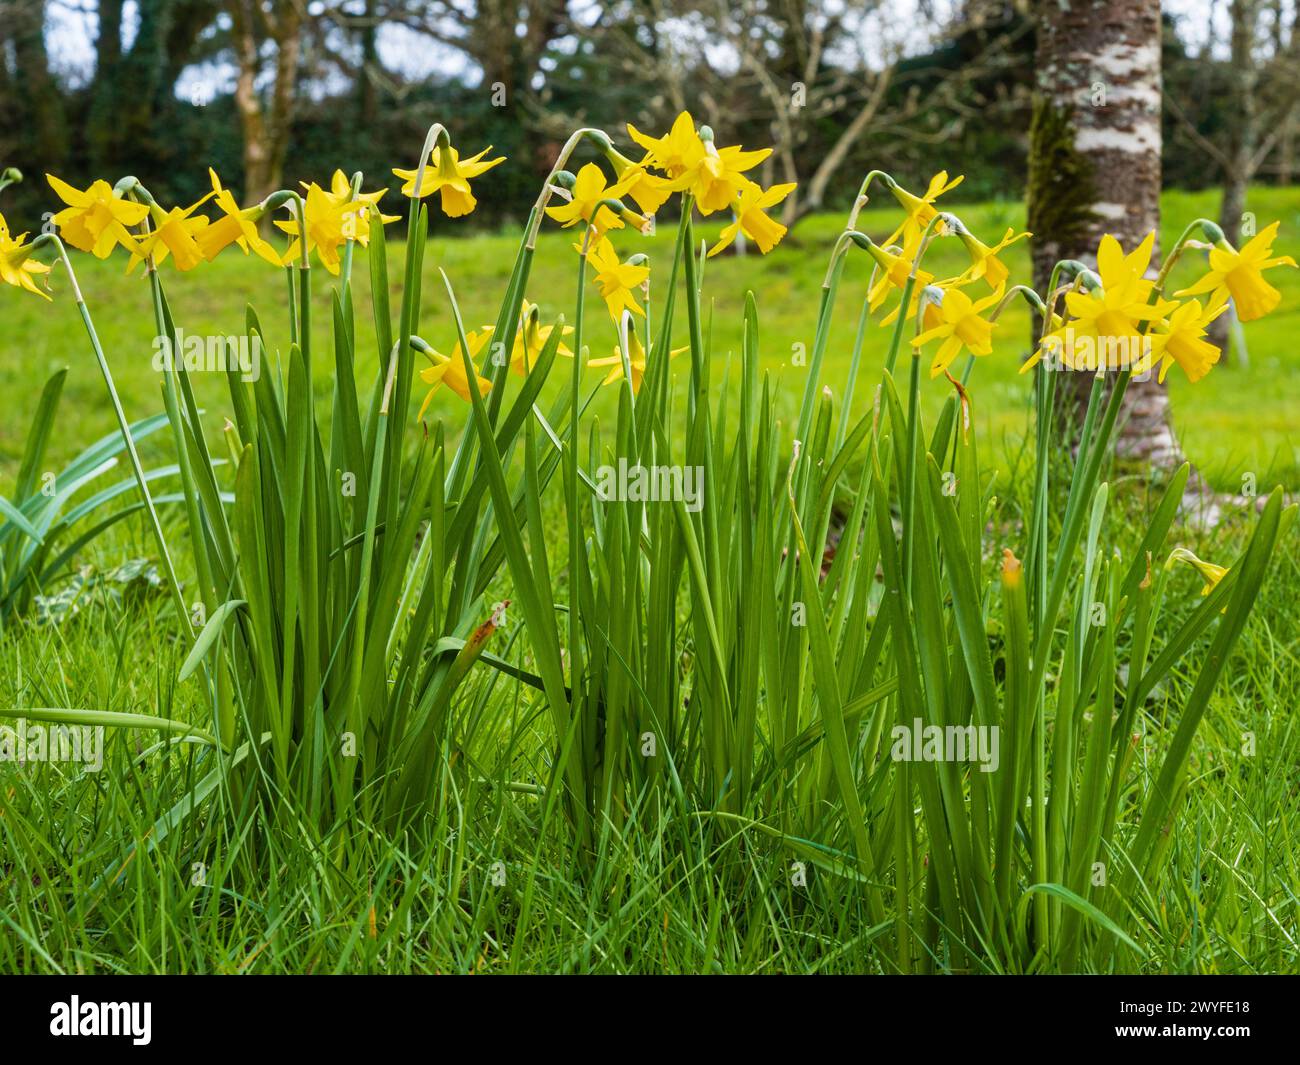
(96, 220)
(1182, 336)
(1211, 573)
(174, 233)
(675, 153)
(587, 200)
(961, 327)
(235, 226)
(650, 191)
(751, 219)
(1103, 326)
(357, 224)
(892, 273)
(932, 315)
(615, 279)
(17, 268)
(449, 174)
(531, 337)
(1241, 275)
(329, 222)
(984, 260)
(449, 370)
(716, 177)
(636, 361)
(920, 209)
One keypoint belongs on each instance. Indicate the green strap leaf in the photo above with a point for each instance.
(208, 636)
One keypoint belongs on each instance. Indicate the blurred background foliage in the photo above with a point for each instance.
(276, 91)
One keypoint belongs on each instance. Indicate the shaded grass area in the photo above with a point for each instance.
(1243, 418)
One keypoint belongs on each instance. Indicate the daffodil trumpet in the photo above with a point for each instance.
(1239, 274)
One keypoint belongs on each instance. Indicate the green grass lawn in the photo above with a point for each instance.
(1242, 418)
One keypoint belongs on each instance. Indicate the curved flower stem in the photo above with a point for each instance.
(1080, 275)
(860, 201)
(1027, 294)
(837, 255)
(561, 160)
(131, 187)
(437, 136)
(52, 240)
(913, 430)
(694, 325)
(277, 200)
(829, 286)
(1210, 230)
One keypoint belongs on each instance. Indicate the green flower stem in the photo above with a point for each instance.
(1210, 230)
(352, 240)
(695, 328)
(830, 286)
(132, 188)
(52, 240)
(577, 545)
(896, 341)
(860, 201)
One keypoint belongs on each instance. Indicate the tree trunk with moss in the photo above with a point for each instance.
(1095, 169)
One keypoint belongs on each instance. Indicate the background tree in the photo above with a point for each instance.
(265, 34)
(32, 120)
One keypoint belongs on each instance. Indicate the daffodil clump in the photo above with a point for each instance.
(389, 597)
(1115, 316)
